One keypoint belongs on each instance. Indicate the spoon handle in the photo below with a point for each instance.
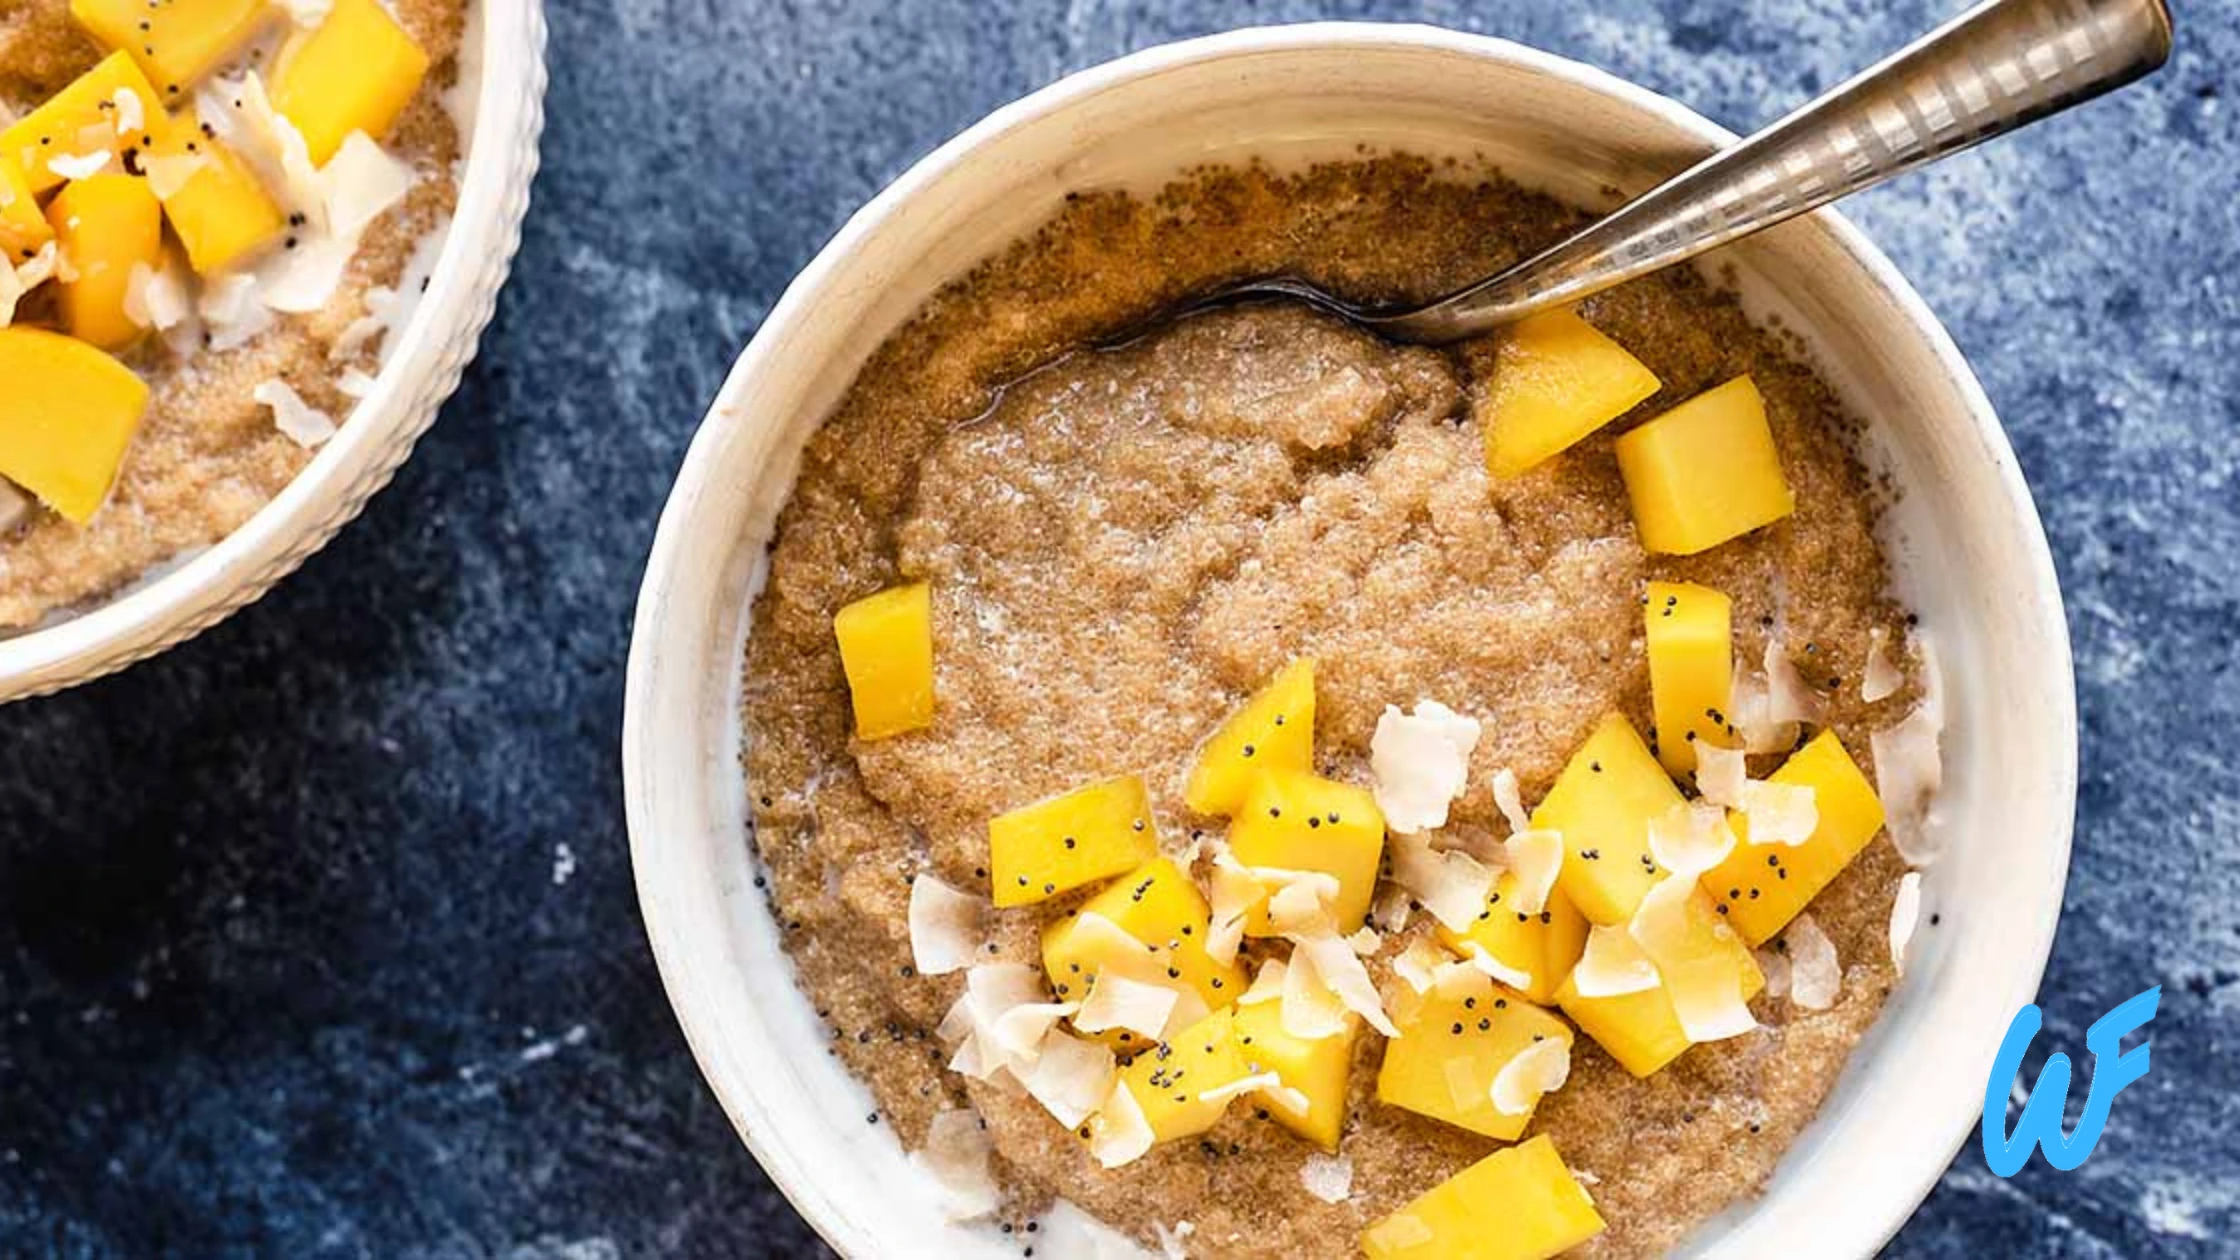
(1997, 67)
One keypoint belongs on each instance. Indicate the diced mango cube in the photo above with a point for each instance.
(1641, 1030)
(1555, 380)
(221, 211)
(73, 120)
(1519, 1203)
(1169, 1081)
(1763, 886)
(1318, 1069)
(886, 649)
(1449, 1050)
(1302, 822)
(175, 42)
(1544, 946)
(23, 226)
(1158, 906)
(105, 226)
(356, 72)
(1705, 471)
(66, 417)
(1603, 803)
(1691, 670)
(1273, 730)
(1057, 845)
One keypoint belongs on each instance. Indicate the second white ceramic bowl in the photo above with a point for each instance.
(1966, 543)
(502, 69)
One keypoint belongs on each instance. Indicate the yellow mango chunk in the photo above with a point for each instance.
(1319, 1069)
(174, 42)
(1302, 822)
(23, 227)
(356, 72)
(886, 649)
(1057, 845)
(1544, 946)
(1519, 1203)
(1555, 380)
(1449, 1050)
(1274, 730)
(1691, 670)
(1159, 907)
(1705, 471)
(1641, 1030)
(221, 212)
(105, 226)
(1763, 886)
(66, 417)
(1170, 1079)
(80, 119)
(1603, 802)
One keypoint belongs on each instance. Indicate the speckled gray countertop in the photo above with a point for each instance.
(317, 935)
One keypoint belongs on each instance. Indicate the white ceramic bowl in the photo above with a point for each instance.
(502, 61)
(1965, 540)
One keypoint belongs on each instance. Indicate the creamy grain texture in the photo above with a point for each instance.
(1125, 542)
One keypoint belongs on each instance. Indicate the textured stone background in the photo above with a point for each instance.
(317, 935)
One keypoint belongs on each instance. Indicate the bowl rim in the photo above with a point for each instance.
(642, 743)
(185, 597)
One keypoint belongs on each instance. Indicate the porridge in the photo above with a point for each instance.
(213, 212)
(1275, 792)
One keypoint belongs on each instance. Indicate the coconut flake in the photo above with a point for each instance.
(76, 166)
(1477, 959)
(956, 1154)
(1451, 884)
(169, 174)
(999, 1021)
(1117, 1002)
(1238, 1088)
(1752, 710)
(1301, 903)
(1536, 859)
(1612, 965)
(1235, 892)
(1540, 1068)
(1509, 797)
(1720, 773)
(304, 424)
(1705, 989)
(1691, 838)
(306, 15)
(1068, 1233)
(1815, 975)
(1420, 763)
(231, 308)
(129, 114)
(1883, 677)
(359, 184)
(1418, 965)
(1392, 909)
(1789, 698)
(1905, 916)
(303, 280)
(1908, 770)
(1171, 1240)
(945, 933)
(1780, 813)
(1121, 1135)
(1774, 966)
(1267, 986)
(1071, 1077)
(1327, 1177)
(354, 383)
(19, 280)
(1311, 1010)
(157, 298)
(1329, 964)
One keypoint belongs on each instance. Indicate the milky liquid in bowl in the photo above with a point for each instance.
(1963, 540)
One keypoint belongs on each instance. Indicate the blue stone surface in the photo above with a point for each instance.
(317, 935)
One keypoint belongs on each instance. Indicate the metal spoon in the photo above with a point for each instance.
(1995, 68)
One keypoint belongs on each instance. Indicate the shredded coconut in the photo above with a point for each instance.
(1780, 813)
(304, 424)
(1118, 1002)
(1720, 773)
(1540, 1068)
(1536, 859)
(1509, 797)
(1327, 1177)
(1071, 1077)
(76, 166)
(1121, 1135)
(1420, 763)
(1905, 916)
(1909, 767)
(1883, 677)
(945, 930)
(1815, 974)
(1612, 965)
(1705, 989)
(1691, 838)
(1452, 885)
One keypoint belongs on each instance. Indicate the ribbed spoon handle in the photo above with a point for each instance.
(1997, 67)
